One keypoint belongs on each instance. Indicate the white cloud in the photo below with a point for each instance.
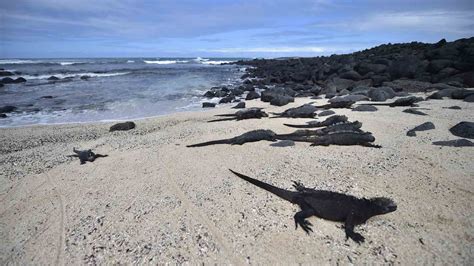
(437, 21)
(304, 49)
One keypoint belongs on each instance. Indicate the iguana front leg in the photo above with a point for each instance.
(349, 229)
(300, 219)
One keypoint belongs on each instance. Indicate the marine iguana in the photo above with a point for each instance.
(328, 205)
(248, 113)
(309, 135)
(406, 101)
(329, 121)
(303, 111)
(346, 138)
(251, 136)
(86, 155)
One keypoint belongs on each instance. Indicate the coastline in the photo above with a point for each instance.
(154, 200)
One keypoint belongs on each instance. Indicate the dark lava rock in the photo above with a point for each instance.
(7, 80)
(123, 126)
(326, 113)
(227, 99)
(455, 143)
(454, 107)
(280, 100)
(208, 105)
(20, 80)
(469, 98)
(85, 77)
(413, 111)
(53, 78)
(283, 143)
(3, 115)
(7, 109)
(463, 130)
(365, 108)
(460, 94)
(351, 74)
(381, 94)
(239, 105)
(422, 127)
(6, 73)
(47, 97)
(252, 95)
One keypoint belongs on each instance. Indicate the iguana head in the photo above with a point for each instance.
(383, 205)
(90, 155)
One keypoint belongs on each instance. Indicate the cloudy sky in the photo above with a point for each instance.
(222, 28)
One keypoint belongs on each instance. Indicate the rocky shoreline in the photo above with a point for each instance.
(379, 73)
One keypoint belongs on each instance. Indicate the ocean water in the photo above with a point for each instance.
(116, 88)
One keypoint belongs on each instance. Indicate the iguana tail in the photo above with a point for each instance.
(301, 126)
(75, 151)
(226, 115)
(282, 193)
(221, 119)
(212, 142)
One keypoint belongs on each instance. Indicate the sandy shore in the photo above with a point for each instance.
(154, 200)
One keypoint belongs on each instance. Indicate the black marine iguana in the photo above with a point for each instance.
(309, 135)
(328, 205)
(329, 121)
(86, 155)
(248, 113)
(346, 138)
(251, 136)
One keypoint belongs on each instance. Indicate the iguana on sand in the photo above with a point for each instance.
(86, 155)
(329, 205)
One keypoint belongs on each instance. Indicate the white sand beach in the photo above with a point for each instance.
(153, 200)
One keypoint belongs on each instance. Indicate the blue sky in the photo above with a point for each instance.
(222, 28)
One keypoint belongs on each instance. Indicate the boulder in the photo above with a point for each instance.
(364, 68)
(460, 94)
(280, 100)
(6, 73)
(404, 67)
(7, 109)
(3, 115)
(85, 77)
(469, 99)
(381, 94)
(208, 105)
(252, 95)
(436, 66)
(53, 78)
(7, 80)
(240, 105)
(226, 99)
(351, 74)
(122, 126)
(463, 129)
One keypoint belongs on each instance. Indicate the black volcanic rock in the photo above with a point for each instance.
(252, 95)
(463, 129)
(455, 143)
(6, 73)
(208, 105)
(280, 100)
(7, 109)
(122, 126)
(365, 108)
